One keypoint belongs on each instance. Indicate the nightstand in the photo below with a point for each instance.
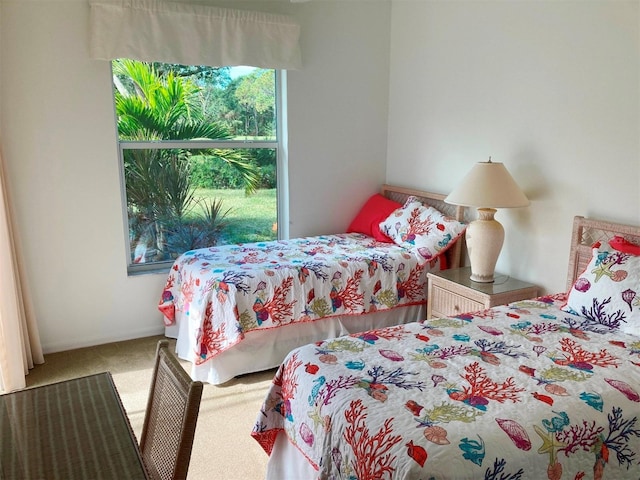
(451, 292)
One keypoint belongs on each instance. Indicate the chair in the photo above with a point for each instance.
(170, 418)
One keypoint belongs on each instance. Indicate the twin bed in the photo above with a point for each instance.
(237, 309)
(543, 388)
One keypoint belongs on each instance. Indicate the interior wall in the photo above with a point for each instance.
(59, 143)
(551, 89)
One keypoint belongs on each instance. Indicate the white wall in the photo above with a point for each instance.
(59, 143)
(551, 89)
(414, 90)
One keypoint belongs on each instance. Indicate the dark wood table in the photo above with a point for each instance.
(75, 429)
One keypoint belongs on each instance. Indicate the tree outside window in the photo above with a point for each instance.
(199, 157)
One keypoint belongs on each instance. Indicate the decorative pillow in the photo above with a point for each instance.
(607, 293)
(422, 228)
(623, 245)
(368, 219)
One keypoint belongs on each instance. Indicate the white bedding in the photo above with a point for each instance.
(266, 349)
(237, 309)
(524, 390)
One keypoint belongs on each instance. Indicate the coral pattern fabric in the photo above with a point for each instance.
(519, 391)
(228, 291)
(422, 228)
(609, 290)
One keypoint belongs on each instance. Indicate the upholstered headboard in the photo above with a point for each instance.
(586, 232)
(454, 254)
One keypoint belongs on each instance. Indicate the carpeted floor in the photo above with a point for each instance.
(223, 448)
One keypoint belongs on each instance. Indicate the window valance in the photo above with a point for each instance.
(190, 34)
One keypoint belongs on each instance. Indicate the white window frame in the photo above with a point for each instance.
(282, 180)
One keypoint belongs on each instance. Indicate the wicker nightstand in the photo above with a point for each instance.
(451, 292)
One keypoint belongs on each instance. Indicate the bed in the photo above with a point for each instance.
(237, 309)
(543, 388)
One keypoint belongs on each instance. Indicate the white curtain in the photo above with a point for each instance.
(19, 339)
(190, 34)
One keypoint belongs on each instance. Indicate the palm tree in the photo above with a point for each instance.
(154, 107)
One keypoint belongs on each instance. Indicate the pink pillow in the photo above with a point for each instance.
(368, 219)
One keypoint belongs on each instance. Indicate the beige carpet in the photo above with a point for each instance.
(223, 448)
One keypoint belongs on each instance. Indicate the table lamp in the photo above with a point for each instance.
(487, 186)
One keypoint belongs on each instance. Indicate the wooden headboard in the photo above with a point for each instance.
(586, 232)
(454, 254)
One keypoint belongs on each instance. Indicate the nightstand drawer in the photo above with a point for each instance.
(448, 303)
(452, 292)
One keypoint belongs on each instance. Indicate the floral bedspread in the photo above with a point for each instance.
(518, 391)
(230, 290)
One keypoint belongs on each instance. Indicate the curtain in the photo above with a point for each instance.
(190, 34)
(19, 339)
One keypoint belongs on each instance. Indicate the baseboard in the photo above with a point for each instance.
(92, 342)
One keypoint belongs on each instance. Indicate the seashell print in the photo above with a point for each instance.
(368, 337)
(490, 330)
(624, 388)
(437, 379)
(554, 471)
(326, 423)
(528, 370)
(436, 434)
(418, 453)
(584, 366)
(328, 358)
(391, 355)
(437, 364)
(582, 285)
(628, 295)
(539, 349)
(619, 275)
(306, 434)
(516, 433)
(543, 398)
(336, 456)
(414, 407)
(490, 358)
(556, 389)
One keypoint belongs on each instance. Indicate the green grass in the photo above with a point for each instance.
(251, 218)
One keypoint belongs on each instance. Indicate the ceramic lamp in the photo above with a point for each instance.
(487, 186)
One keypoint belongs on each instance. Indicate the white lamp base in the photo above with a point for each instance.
(484, 237)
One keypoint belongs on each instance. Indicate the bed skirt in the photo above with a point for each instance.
(265, 349)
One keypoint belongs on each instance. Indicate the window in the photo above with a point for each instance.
(200, 155)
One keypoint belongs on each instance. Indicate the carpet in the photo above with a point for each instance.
(223, 448)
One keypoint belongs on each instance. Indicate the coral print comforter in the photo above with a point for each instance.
(519, 391)
(226, 292)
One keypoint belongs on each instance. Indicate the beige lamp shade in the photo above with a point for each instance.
(487, 186)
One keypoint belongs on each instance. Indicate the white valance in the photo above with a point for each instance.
(189, 34)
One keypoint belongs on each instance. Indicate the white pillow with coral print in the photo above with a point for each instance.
(608, 291)
(422, 228)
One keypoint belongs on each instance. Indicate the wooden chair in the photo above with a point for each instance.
(170, 419)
